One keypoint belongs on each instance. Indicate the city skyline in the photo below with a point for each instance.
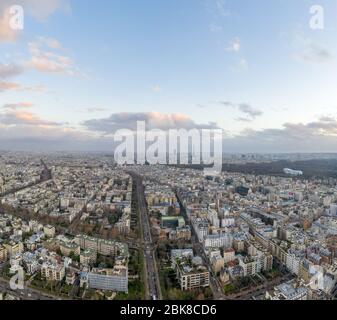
(78, 71)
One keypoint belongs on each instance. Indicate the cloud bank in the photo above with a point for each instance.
(21, 129)
(153, 120)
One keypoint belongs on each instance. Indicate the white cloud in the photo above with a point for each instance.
(244, 108)
(9, 70)
(46, 58)
(95, 110)
(157, 88)
(316, 136)
(308, 50)
(153, 120)
(51, 43)
(243, 63)
(222, 8)
(5, 85)
(215, 28)
(7, 34)
(19, 105)
(315, 53)
(23, 117)
(14, 86)
(235, 45)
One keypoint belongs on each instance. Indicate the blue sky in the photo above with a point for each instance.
(254, 68)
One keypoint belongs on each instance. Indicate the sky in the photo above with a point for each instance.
(81, 69)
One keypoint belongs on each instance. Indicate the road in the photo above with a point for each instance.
(151, 271)
(215, 285)
(25, 294)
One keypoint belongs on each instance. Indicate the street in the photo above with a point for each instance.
(214, 282)
(152, 277)
(25, 294)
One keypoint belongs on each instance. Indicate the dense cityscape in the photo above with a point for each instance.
(167, 158)
(81, 227)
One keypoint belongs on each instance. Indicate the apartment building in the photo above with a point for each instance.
(193, 279)
(220, 240)
(255, 264)
(52, 272)
(13, 248)
(3, 254)
(217, 261)
(288, 291)
(101, 246)
(229, 255)
(201, 228)
(49, 231)
(293, 261)
(115, 279)
(180, 233)
(67, 248)
(88, 257)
